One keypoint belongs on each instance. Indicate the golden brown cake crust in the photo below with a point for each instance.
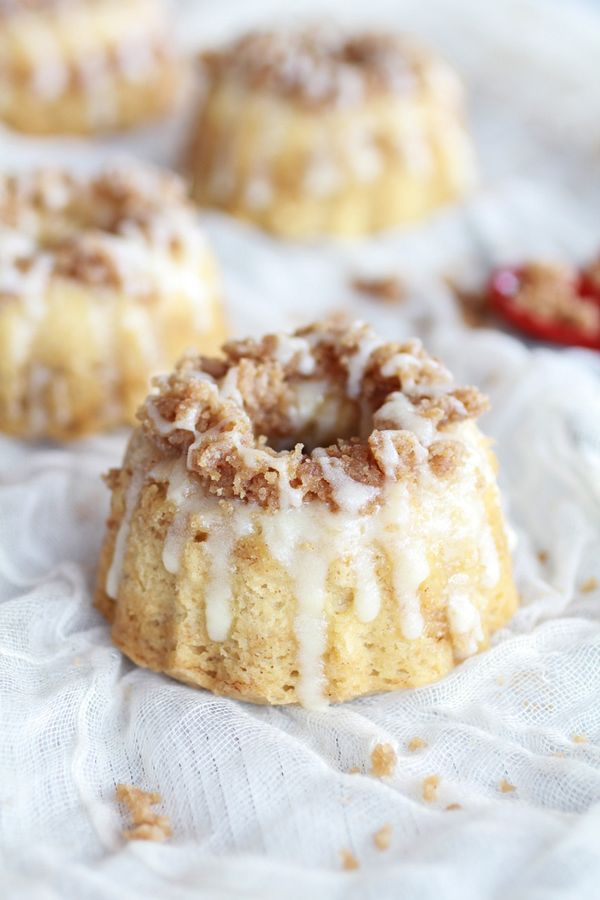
(381, 582)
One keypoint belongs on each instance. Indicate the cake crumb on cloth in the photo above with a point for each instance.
(388, 289)
(383, 760)
(383, 837)
(430, 788)
(349, 861)
(146, 825)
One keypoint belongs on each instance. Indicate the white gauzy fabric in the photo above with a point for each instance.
(261, 799)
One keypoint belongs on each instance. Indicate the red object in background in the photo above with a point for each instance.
(504, 286)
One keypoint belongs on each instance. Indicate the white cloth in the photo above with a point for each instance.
(261, 799)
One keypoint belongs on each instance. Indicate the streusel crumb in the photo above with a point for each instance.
(550, 293)
(506, 787)
(236, 418)
(473, 304)
(383, 760)
(312, 66)
(416, 743)
(383, 837)
(589, 585)
(386, 290)
(430, 788)
(349, 860)
(146, 825)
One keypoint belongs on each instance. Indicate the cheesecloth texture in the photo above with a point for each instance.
(261, 800)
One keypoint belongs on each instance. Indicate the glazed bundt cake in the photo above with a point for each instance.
(309, 518)
(320, 132)
(81, 66)
(104, 282)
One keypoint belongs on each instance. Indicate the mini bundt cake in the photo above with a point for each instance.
(312, 517)
(81, 66)
(104, 282)
(317, 132)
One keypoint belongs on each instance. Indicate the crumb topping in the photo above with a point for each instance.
(376, 410)
(383, 760)
(105, 230)
(590, 584)
(416, 743)
(549, 292)
(324, 67)
(579, 739)
(147, 825)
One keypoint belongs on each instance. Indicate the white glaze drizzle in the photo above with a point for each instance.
(409, 568)
(400, 410)
(488, 557)
(296, 540)
(220, 546)
(223, 531)
(350, 495)
(357, 363)
(289, 347)
(367, 593)
(465, 623)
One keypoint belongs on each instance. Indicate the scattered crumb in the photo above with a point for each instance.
(542, 555)
(501, 680)
(388, 290)
(579, 739)
(452, 806)
(355, 770)
(349, 861)
(589, 585)
(473, 304)
(416, 743)
(383, 837)
(383, 760)
(430, 788)
(506, 787)
(146, 824)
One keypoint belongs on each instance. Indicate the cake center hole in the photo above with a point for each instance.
(317, 415)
